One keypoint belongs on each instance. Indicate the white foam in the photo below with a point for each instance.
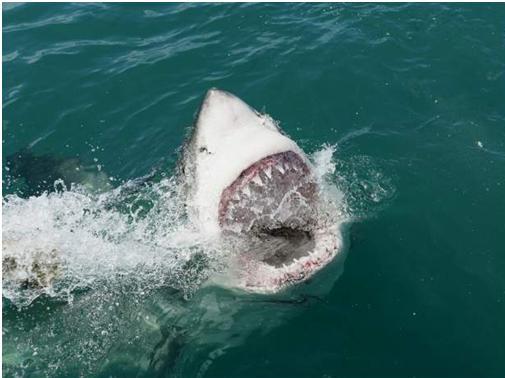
(96, 237)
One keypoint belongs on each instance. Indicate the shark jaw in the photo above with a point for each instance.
(253, 274)
(250, 183)
(273, 206)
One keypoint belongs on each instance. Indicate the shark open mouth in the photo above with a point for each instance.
(250, 184)
(273, 203)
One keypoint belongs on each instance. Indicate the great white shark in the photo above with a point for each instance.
(247, 186)
(245, 178)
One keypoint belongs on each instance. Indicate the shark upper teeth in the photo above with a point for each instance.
(268, 172)
(280, 168)
(256, 179)
(263, 176)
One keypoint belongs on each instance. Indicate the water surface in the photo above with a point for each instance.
(405, 101)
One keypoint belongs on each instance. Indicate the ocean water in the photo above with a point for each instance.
(401, 107)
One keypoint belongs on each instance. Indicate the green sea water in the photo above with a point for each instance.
(405, 101)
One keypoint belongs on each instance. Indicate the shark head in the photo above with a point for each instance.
(249, 182)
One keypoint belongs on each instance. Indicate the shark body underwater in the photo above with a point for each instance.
(247, 184)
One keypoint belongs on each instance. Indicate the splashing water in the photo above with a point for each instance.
(95, 239)
(107, 272)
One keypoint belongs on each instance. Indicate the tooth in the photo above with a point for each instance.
(268, 172)
(263, 176)
(246, 191)
(257, 180)
(280, 168)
